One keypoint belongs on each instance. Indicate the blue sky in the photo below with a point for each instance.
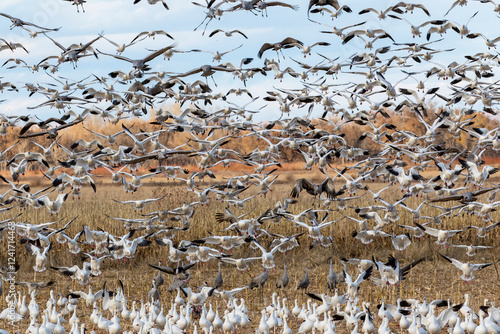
(121, 21)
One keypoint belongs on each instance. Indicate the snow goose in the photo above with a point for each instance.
(228, 295)
(286, 328)
(481, 231)
(53, 206)
(73, 246)
(441, 235)
(352, 287)
(161, 320)
(477, 177)
(489, 322)
(41, 257)
(362, 264)
(432, 324)
(140, 204)
(82, 276)
(296, 309)
(471, 249)
(182, 323)
(391, 272)
(44, 327)
(481, 328)
(31, 231)
(367, 327)
(467, 268)
(457, 329)
(203, 322)
(11, 317)
(268, 257)
(95, 263)
(32, 286)
(196, 298)
(217, 322)
(368, 236)
(307, 326)
(315, 230)
(58, 328)
(401, 242)
(417, 232)
(384, 327)
(404, 323)
(23, 310)
(465, 309)
(470, 325)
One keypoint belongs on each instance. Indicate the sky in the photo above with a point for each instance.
(121, 21)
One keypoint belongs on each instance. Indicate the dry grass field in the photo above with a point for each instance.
(434, 278)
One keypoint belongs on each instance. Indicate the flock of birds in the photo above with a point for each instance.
(214, 119)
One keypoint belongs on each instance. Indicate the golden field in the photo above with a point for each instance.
(434, 278)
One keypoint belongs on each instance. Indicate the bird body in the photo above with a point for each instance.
(259, 280)
(467, 268)
(304, 283)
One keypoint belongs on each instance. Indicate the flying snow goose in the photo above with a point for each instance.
(89, 297)
(471, 249)
(32, 286)
(267, 257)
(82, 276)
(353, 286)
(441, 235)
(478, 177)
(467, 267)
(481, 231)
(401, 242)
(140, 204)
(367, 236)
(41, 257)
(241, 263)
